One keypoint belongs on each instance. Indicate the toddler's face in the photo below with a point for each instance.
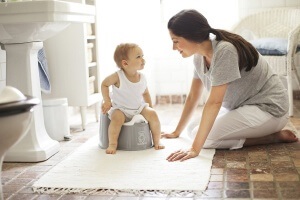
(136, 59)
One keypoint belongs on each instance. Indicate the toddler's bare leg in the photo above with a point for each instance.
(153, 120)
(117, 120)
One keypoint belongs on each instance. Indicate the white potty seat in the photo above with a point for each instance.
(135, 135)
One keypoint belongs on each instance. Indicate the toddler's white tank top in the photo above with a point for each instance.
(129, 95)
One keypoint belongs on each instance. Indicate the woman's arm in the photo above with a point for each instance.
(210, 112)
(189, 108)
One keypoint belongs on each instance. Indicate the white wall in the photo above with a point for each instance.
(136, 21)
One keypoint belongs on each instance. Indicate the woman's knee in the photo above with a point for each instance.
(211, 144)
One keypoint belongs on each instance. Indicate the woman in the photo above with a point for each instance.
(247, 104)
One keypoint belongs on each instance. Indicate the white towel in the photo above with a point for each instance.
(43, 72)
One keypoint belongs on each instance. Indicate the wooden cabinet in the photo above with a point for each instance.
(73, 66)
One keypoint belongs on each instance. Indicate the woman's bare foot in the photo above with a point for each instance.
(285, 136)
(281, 136)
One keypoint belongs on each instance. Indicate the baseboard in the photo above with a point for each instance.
(170, 99)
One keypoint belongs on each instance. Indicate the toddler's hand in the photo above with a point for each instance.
(106, 107)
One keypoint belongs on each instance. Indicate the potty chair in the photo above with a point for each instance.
(135, 135)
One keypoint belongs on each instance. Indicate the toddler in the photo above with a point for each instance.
(130, 95)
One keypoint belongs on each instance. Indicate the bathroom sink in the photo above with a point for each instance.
(24, 26)
(29, 21)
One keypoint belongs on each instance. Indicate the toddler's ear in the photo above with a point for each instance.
(124, 63)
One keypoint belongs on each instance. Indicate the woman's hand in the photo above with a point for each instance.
(169, 135)
(182, 155)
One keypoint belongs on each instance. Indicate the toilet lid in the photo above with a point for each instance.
(13, 108)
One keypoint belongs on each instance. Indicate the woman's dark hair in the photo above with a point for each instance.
(193, 26)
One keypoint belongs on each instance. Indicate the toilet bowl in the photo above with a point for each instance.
(15, 118)
(135, 135)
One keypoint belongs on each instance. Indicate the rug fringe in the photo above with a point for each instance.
(101, 191)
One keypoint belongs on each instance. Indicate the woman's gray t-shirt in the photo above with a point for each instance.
(260, 86)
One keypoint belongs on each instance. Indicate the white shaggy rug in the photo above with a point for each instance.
(89, 170)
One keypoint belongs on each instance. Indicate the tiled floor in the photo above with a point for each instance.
(260, 172)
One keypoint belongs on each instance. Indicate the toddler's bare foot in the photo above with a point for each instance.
(285, 136)
(111, 149)
(159, 146)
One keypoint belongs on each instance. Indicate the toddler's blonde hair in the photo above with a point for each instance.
(121, 52)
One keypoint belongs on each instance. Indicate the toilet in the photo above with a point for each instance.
(15, 118)
(135, 135)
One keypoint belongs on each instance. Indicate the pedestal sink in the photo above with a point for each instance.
(23, 28)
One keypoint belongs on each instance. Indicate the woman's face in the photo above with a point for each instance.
(185, 47)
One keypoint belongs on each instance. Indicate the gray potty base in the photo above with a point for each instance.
(132, 138)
